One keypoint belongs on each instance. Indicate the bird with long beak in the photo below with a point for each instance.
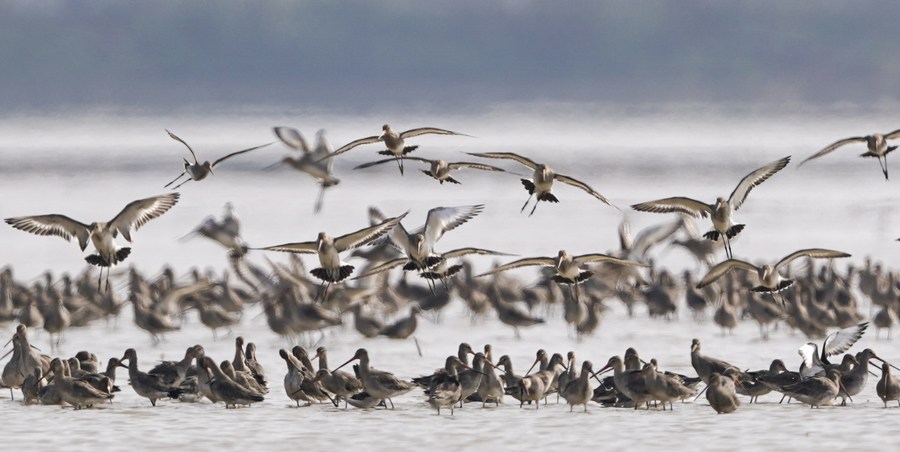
(395, 142)
(378, 384)
(876, 144)
(198, 171)
(328, 249)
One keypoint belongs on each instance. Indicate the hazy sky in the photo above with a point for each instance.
(359, 56)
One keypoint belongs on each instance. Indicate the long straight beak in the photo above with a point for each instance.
(5, 355)
(889, 364)
(600, 372)
(532, 367)
(342, 365)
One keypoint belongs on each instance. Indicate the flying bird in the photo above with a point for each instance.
(720, 211)
(541, 184)
(395, 142)
(198, 171)
(440, 169)
(876, 144)
(311, 161)
(101, 234)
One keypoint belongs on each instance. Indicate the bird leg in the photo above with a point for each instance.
(535, 206)
(526, 204)
(318, 206)
(176, 179)
(179, 185)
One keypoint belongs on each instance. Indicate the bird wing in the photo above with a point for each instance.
(375, 215)
(383, 267)
(625, 240)
(892, 135)
(680, 204)
(428, 130)
(239, 153)
(479, 166)
(652, 235)
(353, 144)
(815, 253)
(443, 219)
(841, 340)
(392, 159)
(506, 155)
(299, 248)
(58, 225)
(832, 147)
(467, 251)
(175, 137)
(724, 267)
(577, 183)
(753, 179)
(597, 257)
(366, 235)
(807, 353)
(291, 138)
(137, 213)
(528, 261)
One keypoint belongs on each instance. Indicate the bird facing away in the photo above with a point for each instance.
(311, 162)
(770, 281)
(395, 142)
(198, 171)
(101, 234)
(721, 211)
(876, 144)
(439, 169)
(329, 248)
(541, 185)
(568, 267)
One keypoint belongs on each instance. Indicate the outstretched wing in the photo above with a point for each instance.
(137, 213)
(505, 155)
(753, 179)
(680, 204)
(291, 138)
(58, 225)
(175, 137)
(366, 235)
(815, 253)
(841, 340)
(588, 258)
(239, 153)
(383, 267)
(892, 135)
(832, 147)
(528, 261)
(724, 267)
(467, 251)
(299, 248)
(443, 219)
(353, 144)
(478, 166)
(428, 130)
(392, 159)
(577, 183)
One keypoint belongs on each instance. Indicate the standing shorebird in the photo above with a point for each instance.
(876, 144)
(541, 185)
(440, 169)
(568, 267)
(888, 387)
(378, 384)
(311, 162)
(814, 362)
(770, 281)
(395, 142)
(101, 234)
(329, 248)
(198, 171)
(720, 212)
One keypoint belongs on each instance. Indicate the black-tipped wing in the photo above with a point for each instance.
(239, 153)
(137, 213)
(753, 179)
(366, 235)
(841, 340)
(58, 225)
(680, 204)
(176, 138)
(505, 155)
(393, 159)
(721, 268)
(291, 138)
(579, 184)
(427, 130)
(815, 253)
(527, 262)
(597, 257)
(832, 147)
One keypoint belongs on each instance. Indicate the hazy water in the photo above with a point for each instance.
(88, 167)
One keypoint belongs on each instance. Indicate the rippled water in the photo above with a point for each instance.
(90, 167)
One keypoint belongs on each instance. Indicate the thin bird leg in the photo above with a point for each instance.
(882, 162)
(534, 208)
(399, 165)
(179, 177)
(319, 199)
(526, 204)
(185, 181)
